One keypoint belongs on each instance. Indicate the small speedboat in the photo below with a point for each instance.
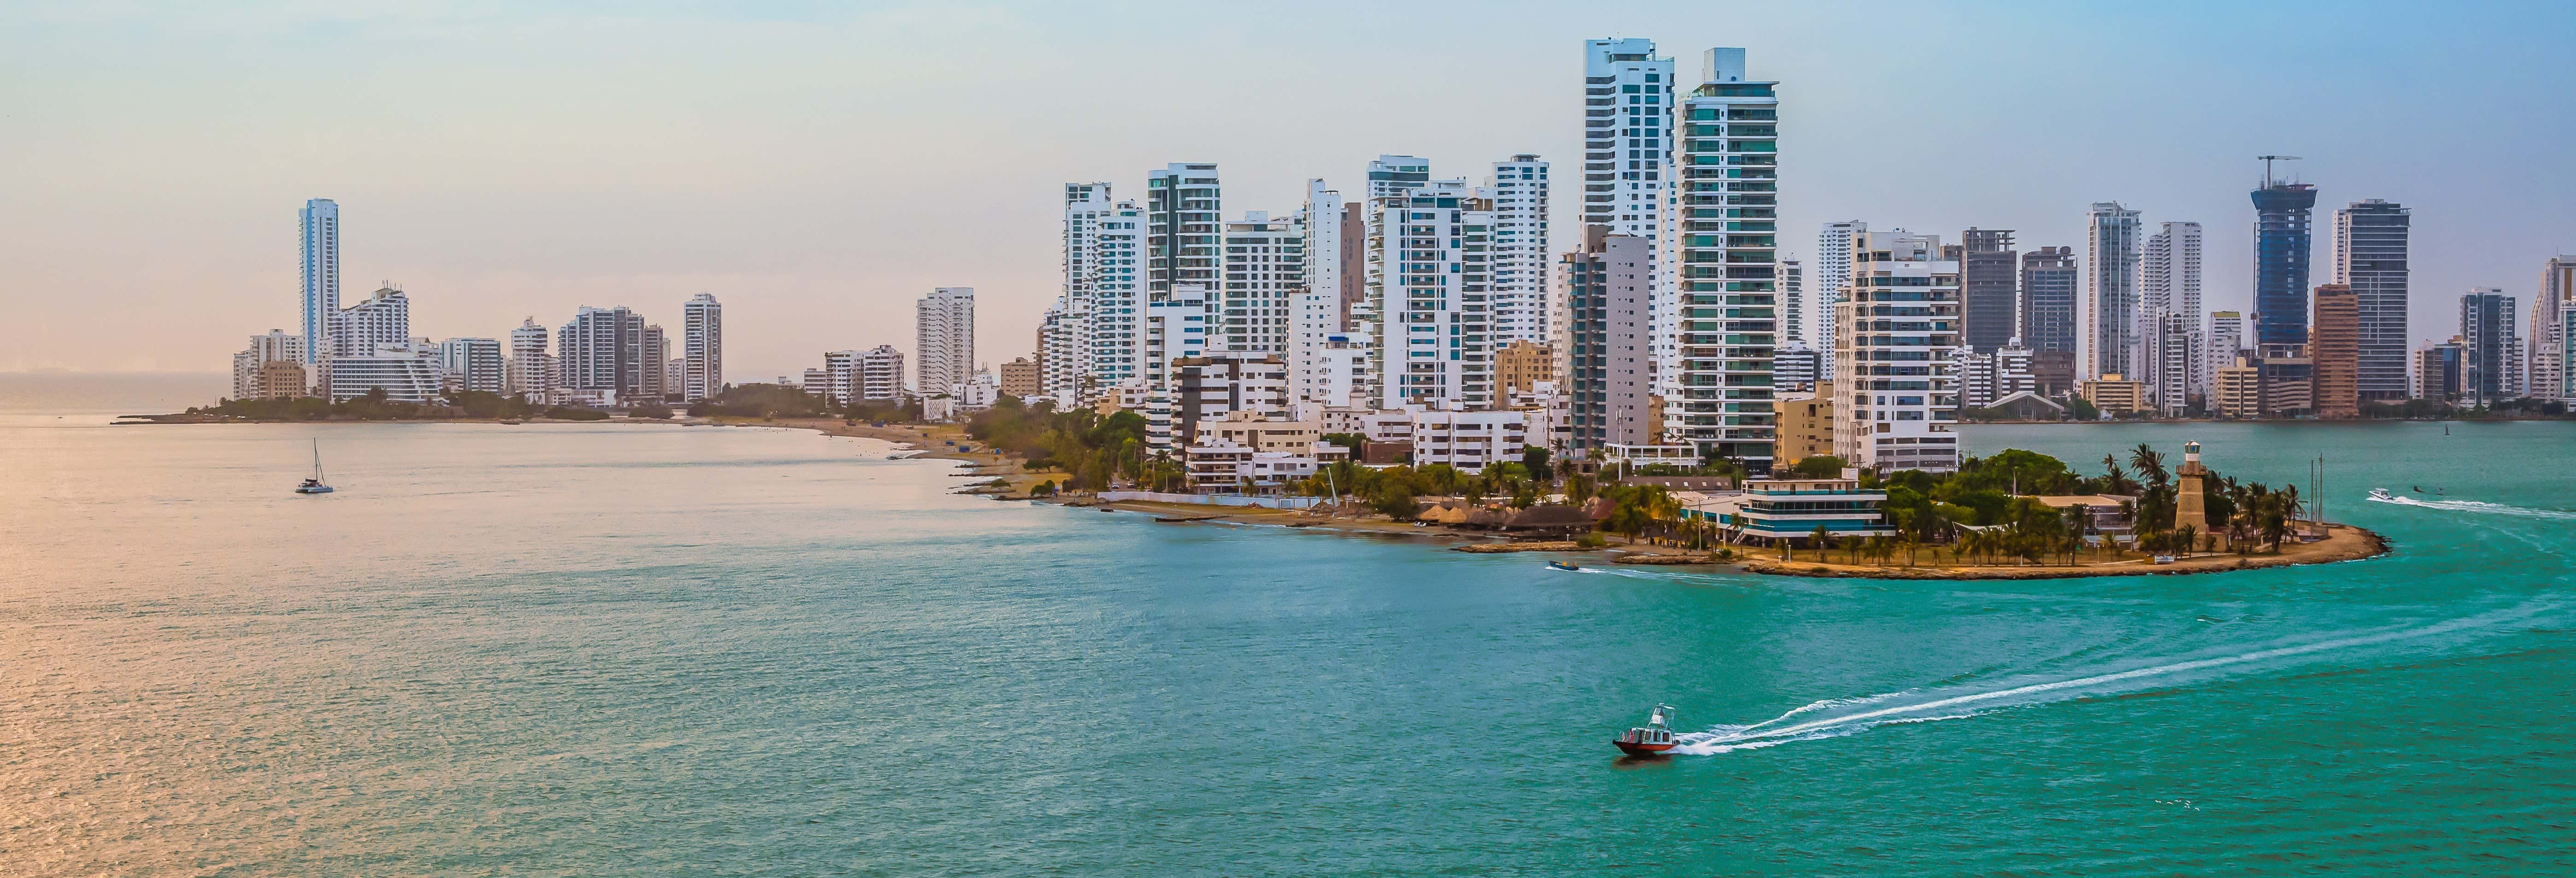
(1564, 565)
(2382, 495)
(1651, 739)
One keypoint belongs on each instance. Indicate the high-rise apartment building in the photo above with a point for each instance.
(1628, 144)
(2334, 351)
(321, 278)
(879, 375)
(2169, 301)
(531, 368)
(2547, 365)
(1794, 311)
(2487, 347)
(1433, 305)
(1607, 364)
(1318, 309)
(1265, 269)
(1118, 299)
(1518, 188)
(1391, 180)
(1833, 272)
(2226, 345)
(473, 364)
(944, 323)
(1183, 223)
(2281, 218)
(384, 318)
(2113, 321)
(1898, 400)
(2370, 257)
(1066, 349)
(2052, 285)
(701, 348)
(1989, 285)
(2437, 371)
(601, 351)
(652, 361)
(1721, 240)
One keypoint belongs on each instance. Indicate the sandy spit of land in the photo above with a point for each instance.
(2342, 543)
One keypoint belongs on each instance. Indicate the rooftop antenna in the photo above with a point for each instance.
(2267, 166)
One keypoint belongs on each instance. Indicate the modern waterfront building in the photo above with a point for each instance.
(1793, 308)
(2237, 390)
(2113, 321)
(1115, 330)
(473, 364)
(405, 372)
(1521, 252)
(2553, 333)
(2370, 256)
(1989, 289)
(2281, 247)
(320, 221)
(2051, 287)
(531, 368)
(1608, 364)
(1435, 323)
(945, 338)
(250, 375)
(1796, 367)
(1211, 387)
(1468, 440)
(1985, 378)
(384, 318)
(701, 348)
(2487, 348)
(1066, 346)
(653, 357)
(600, 354)
(1021, 378)
(2169, 302)
(2437, 371)
(1317, 308)
(1832, 274)
(2334, 349)
(879, 375)
(1627, 148)
(1806, 427)
(1183, 221)
(1893, 368)
(1391, 180)
(1722, 241)
(2115, 395)
(1790, 510)
(1265, 269)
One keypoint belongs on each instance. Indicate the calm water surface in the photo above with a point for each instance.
(656, 650)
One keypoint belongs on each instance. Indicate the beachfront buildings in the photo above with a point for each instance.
(1989, 289)
(1627, 149)
(600, 355)
(1772, 511)
(1900, 315)
(1319, 306)
(2111, 318)
(2052, 287)
(2488, 348)
(2169, 304)
(2334, 350)
(1431, 291)
(1722, 245)
(1832, 269)
(2552, 348)
(250, 375)
(1520, 254)
(472, 364)
(1265, 268)
(531, 370)
(320, 270)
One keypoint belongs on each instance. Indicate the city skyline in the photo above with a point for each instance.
(499, 208)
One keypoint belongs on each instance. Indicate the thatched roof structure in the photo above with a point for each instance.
(1549, 519)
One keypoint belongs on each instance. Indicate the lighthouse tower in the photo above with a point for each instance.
(2191, 505)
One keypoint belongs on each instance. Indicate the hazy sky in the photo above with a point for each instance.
(818, 166)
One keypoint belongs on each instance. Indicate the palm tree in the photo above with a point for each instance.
(1822, 539)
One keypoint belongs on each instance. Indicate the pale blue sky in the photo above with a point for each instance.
(820, 165)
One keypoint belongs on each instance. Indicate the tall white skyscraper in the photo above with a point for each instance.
(601, 352)
(1265, 268)
(2113, 322)
(1793, 304)
(1896, 392)
(321, 275)
(1115, 327)
(1833, 273)
(2226, 340)
(1628, 147)
(945, 339)
(1391, 181)
(1520, 257)
(1065, 333)
(701, 348)
(1315, 319)
(2169, 288)
(1435, 340)
(1183, 220)
(472, 364)
(1721, 241)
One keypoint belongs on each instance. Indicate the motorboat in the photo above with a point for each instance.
(2382, 495)
(1651, 739)
(314, 484)
(1564, 565)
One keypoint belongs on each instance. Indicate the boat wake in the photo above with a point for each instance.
(1836, 717)
(2478, 507)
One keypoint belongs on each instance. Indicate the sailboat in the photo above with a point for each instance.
(315, 485)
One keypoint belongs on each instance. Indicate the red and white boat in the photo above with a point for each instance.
(1653, 738)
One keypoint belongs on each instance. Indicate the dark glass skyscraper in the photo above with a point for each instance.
(2370, 257)
(2051, 279)
(1987, 271)
(2281, 262)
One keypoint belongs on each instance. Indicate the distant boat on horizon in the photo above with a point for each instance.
(314, 484)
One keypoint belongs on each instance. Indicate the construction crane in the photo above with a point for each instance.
(2267, 166)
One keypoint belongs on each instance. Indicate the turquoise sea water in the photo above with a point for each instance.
(655, 650)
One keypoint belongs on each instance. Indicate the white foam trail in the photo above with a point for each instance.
(1722, 739)
(2475, 506)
